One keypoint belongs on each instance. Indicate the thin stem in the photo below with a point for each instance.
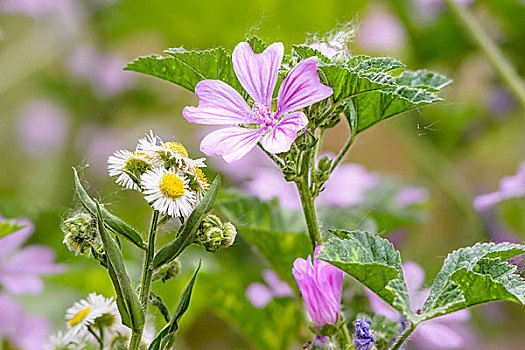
(272, 156)
(101, 332)
(345, 335)
(403, 337)
(343, 152)
(92, 331)
(490, 49)
(147, 274)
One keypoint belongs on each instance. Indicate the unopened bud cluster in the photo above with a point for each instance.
(213, 234)
(167, 271)
(80, 233)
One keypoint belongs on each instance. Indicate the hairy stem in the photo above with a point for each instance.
(147, 274)
(403, 337)
(490, 49)
(343, 152)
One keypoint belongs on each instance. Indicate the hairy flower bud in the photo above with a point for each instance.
(213, 234)
(81, 233)
(167, 271)
(324, 164)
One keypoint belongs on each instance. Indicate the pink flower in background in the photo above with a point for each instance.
(220, 104)
(103, 70)
(430, 8)
(411, 195)
(34, 8)
(245, 168)
(512, 186)
(260, 294)
(21, 268)
(347, 185)
(325, 49)
(321, 286)
(42, 126)
(22, 331)
(268, 183)
(381, 32)
(444, 332)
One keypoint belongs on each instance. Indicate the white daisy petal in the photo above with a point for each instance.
(124, 162)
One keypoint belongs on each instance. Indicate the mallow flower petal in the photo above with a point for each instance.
(257, 73)
(219, 104)
(283, 134)
(231, 143)
(301, 87)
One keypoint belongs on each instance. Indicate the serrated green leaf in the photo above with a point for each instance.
(187, 68)
(475, 275)
(111, 221)
(375, 106)
(7, 227)
(373, 64)
(304, 51)
(186, 234)
(127, 300)
(166, 337)
(423, 79)
(257, 44)
(374, 262)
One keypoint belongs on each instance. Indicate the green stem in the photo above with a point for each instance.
(92, 331)
(272, 156)
(403, 337)
(490, 49)
(307, 201)
(343, 152)
(147, 274)
(345, 335)
(101, 332)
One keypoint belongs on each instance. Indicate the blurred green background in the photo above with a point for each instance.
(64, 102)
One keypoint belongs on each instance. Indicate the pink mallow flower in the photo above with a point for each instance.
(21, 268)
(220, 104)
(444, 332)
(321, 286)
(260, 294)
(411, 195)
(325, 49)
(20, 330)
(512, 186)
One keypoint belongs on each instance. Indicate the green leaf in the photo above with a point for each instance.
(384, 329)
(257, 44)
(374, 262)
(7, 227)
(127, 300)
(423, 79)
(373, 64)
(187, 68)
(268, 328)
(304, 51)
(114, 223)
(375, 106)
(166, 337)
(475, 275)
(186, 234)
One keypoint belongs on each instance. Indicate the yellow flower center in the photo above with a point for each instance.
(177, 148)
(172, 186)
(200, 175)
(79, 316)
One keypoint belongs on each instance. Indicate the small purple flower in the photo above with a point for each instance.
(321, 286)
(512, 186)
(220, 104)
(268, 183)
(444, 332)
(347, 185)
(21, 330)
(364, 337)
(21, 268)
(411, 195)
(260, 294)
(380, 31)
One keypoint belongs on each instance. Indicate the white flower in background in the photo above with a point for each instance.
(123, 163)
(95, 309)
(197, 182)
(168, 192)
(63, 341)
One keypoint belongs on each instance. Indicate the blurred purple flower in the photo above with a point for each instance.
(98, 143)
(260, 294)
(363, 337)
(245, 168)
(268, 183)
(347, 185)
(19, 329)
(325, 49)
(444, 332)
(499, 100)
(512, 186)
(220, 104)
(34, 8)
(21, 268)
(430, 8)
(411, 195)
(42, 126)
(321, 286)
(104, 71)
(380, 31)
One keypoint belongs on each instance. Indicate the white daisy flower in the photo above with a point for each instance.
(170, 154)
(167, 191)
(63, 341)
(123, 163)
(84, 313)
(198, 182)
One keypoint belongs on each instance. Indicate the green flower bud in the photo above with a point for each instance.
(209, 222)
(167, 271)
(324, 164)
(229, 233)
(213, 234)
(81, 233)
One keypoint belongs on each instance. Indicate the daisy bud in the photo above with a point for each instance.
(167, 271)
(213, 234)
(229, 233)
(210, 221)
(81, 233)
